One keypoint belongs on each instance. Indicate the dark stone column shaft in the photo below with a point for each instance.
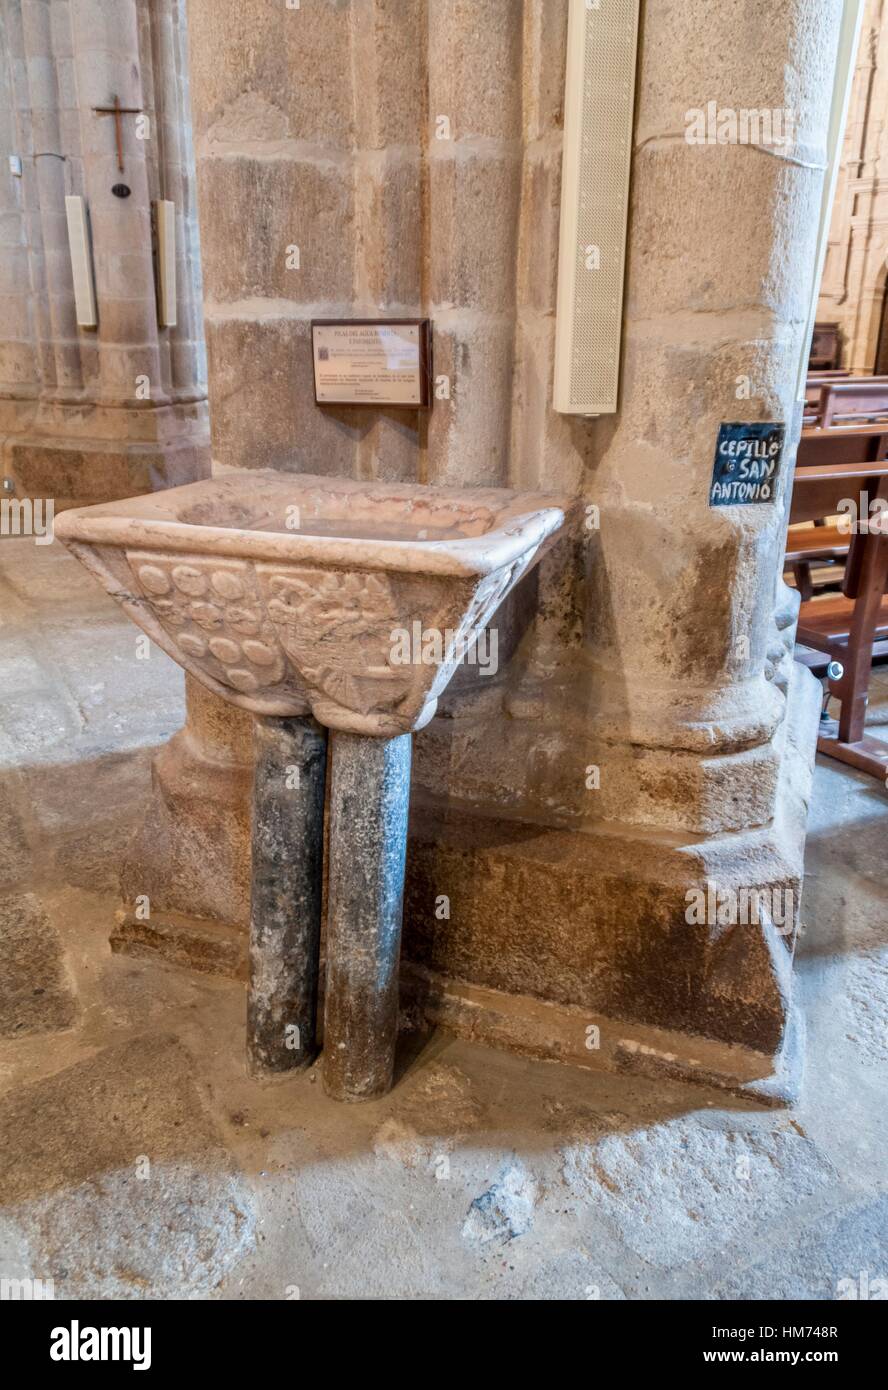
(369, 799)
(286, 889)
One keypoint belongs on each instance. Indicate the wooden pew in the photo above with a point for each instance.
(814, 385)
(824, 545)
(850, 627)
(845, 401)
(826, 345)
(853, 643)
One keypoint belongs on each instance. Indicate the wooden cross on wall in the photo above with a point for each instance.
(117, 111)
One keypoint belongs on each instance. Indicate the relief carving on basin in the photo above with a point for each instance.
(283, 593)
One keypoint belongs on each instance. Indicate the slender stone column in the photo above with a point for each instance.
(369, 798)
(287, 884)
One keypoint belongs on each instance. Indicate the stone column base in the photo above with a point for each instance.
(577, 1037)
(534, 939)
(78, 474)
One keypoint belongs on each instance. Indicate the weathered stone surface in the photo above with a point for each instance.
(386, 36)
(468, 435)
(124, 688)
(843, 1257)
(14, 864)
(101, 1162)
(389, 213)
(41, 574)
(609, 929)
(35, 993)
(265, 415)
(37, 725)
(301, 204)
(430, 1117)
(570, 1276)
(257, 48)
(212, 948)
(475, 81)
(865, 1006)
(474, 200)
(682, 1191)
(118, 786)
(369, 795)
(286, 891)
(191, 854)
(505, 1210)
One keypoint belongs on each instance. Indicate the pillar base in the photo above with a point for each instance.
(560, 1033)
(78, 472)
(599, 922)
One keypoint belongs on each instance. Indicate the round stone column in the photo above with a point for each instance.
(721, 258)
(369, 798)
(286, 893)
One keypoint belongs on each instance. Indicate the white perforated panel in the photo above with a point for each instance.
(81, 262)
(599, 100)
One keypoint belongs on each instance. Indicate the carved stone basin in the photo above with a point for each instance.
(291, 593)
(299, 596)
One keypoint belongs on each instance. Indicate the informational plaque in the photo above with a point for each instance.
(372, 361)
(747, 463)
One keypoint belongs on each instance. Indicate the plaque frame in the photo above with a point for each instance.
(425, 362)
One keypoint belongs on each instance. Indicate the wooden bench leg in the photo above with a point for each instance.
(853, 688)
(802, 572)
(849, 743)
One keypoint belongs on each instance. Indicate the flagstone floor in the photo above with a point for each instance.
(138, 1160)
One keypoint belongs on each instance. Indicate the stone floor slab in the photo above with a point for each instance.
(844, 1258)
(35, 994)
(114, 1174)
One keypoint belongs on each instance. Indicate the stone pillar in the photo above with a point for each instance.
(113, 416)
(681, 597)
(50, 86)
(127, 335)
(285, 900)
(20, 220)
(369, 796)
